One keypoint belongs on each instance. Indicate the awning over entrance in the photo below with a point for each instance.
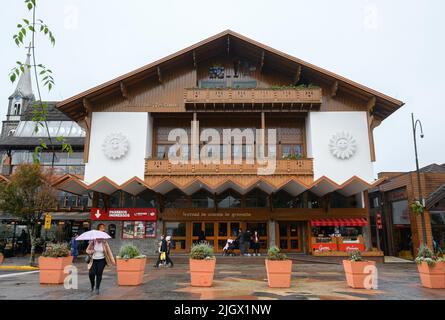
(339, 222)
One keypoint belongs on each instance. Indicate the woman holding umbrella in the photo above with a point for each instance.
(100, 254)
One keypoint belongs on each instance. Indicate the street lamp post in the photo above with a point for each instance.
(417, 122)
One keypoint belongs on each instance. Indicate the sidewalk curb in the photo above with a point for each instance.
(23, 268)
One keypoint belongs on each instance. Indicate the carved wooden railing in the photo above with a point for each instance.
(295, 95)
(283, 167)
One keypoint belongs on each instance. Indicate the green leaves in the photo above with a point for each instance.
(47, 77)
(16, 71)
(31, 26)
(66, 147)
(30, 4)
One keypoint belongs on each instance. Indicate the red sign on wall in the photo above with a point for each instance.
(124, 214)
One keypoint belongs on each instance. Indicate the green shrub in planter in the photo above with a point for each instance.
(426, 255)
(130, 251)
(274, 254)
(355, 255)
(202, 251)
(59, 250)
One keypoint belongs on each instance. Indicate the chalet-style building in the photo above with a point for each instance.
(401, 227)
(314, 200)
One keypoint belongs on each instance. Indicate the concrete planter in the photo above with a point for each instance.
(355, 272)
(51, 269)
(278, 273)
(202, 272)
(432, 276)
(130, 272)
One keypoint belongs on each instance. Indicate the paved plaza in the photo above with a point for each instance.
(241, 278)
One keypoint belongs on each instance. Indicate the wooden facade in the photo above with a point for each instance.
(230, 81)
(401, 186)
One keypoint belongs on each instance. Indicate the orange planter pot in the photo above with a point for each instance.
(130, 272)
(202, 272)
(432, 277)
(278, 273)
(355, 272)
(51, 269)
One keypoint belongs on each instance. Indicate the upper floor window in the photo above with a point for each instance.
(176, 199)
(203, 199)
(283, 199)
(257, 199)
(229, 199)
(291, 151)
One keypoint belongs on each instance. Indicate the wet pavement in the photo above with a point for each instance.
(236, 278)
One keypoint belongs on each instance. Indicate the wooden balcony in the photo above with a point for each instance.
(295, 98)
(284, 167)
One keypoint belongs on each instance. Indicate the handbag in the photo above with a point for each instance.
(162, 256)
(87, 259)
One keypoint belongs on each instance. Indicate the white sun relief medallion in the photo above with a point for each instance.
(115, 146)
(342, 145)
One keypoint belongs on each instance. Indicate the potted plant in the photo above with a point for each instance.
(130, 266)
(431, 269)
(417, 208)
(202, 265)
(278, 268)
(356, 270)
(53, 262)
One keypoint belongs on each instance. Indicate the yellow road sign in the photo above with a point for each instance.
(47, 221)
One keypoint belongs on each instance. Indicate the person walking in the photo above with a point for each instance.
(169, 246)
(73, 247)
(101, 256)
(247, 237)
(240, 239)
(164, 251)
(256, 243)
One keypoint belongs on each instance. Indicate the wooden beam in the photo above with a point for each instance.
(194, 60)
(371, 104)
(87, 105)
(334, 89)
(159, 74)
(262, 61)
(297, 75)
(124, 90)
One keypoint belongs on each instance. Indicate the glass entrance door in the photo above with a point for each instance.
(289, 235)
(209, 231)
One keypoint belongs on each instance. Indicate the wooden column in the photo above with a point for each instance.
(368, 240)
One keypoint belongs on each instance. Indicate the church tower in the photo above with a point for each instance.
(21, 99)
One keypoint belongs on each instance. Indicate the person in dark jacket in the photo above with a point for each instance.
(201, 236)
(240, 239)
(164, 249)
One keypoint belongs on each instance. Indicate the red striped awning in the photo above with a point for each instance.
(339, 222)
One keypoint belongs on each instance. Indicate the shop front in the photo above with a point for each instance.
(128, 225)
(186, 225)
(337, 235)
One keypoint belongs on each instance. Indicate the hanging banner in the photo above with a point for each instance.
(124, 214)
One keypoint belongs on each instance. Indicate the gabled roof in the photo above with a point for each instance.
(384, 105)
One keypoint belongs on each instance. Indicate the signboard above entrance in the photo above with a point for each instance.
(124, 214)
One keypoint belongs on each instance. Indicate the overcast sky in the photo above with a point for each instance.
(395, 47)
